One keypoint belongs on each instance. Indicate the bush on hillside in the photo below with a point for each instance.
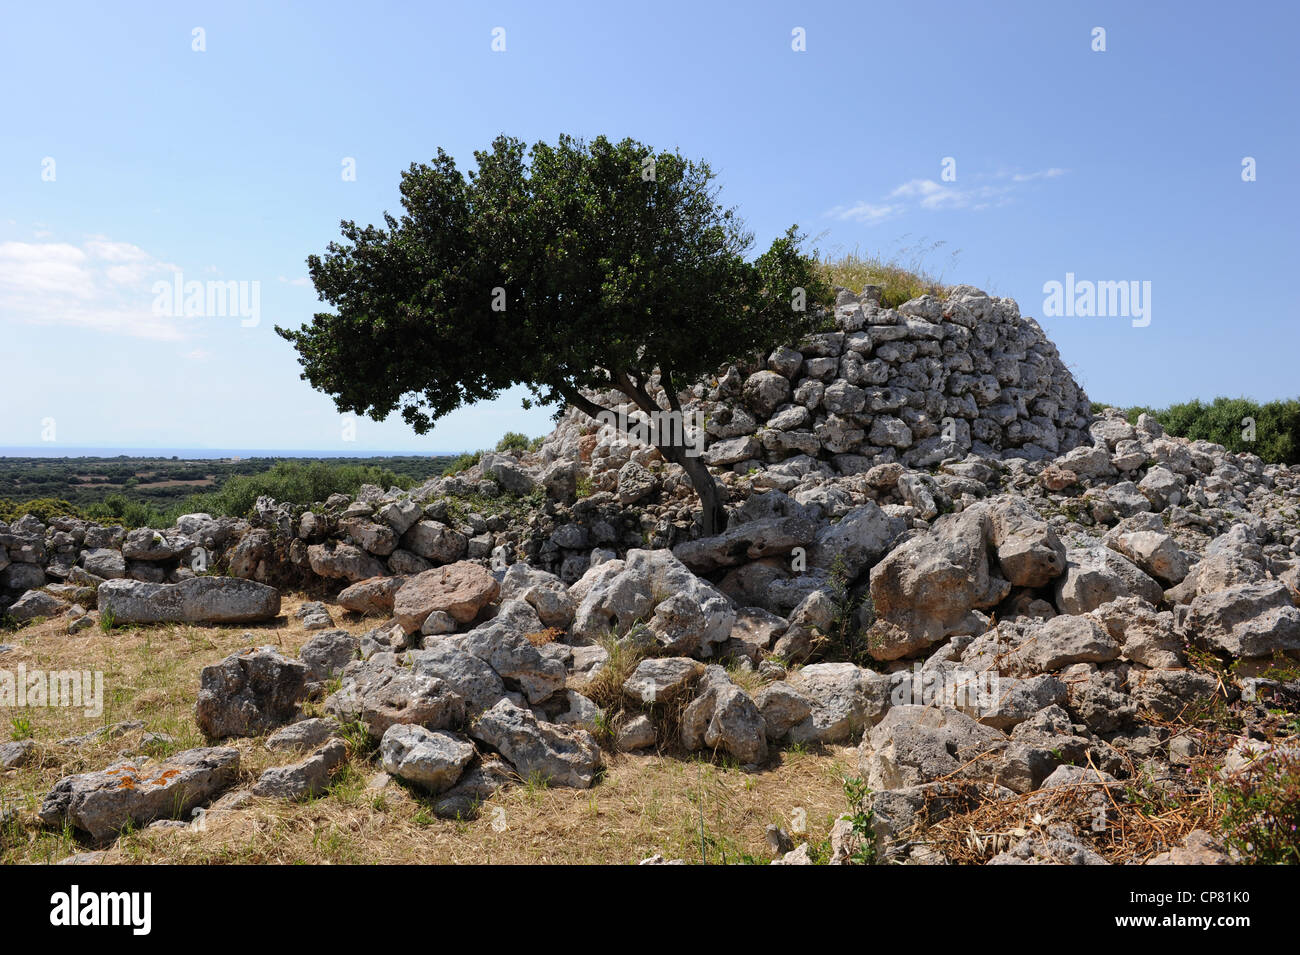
(44, 508)
(514, 441)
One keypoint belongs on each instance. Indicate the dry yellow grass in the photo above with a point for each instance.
(644, 805)
(898, 282)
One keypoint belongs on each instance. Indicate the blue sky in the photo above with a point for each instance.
(225, 165)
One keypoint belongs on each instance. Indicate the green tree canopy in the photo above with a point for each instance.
(568, 268)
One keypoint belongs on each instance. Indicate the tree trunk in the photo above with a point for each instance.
(713, 516)
(713, 513)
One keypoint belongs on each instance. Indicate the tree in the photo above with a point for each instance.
(569, 268)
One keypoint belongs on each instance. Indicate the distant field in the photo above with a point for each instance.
(143, 490)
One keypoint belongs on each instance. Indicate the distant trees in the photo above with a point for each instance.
(1270, 430)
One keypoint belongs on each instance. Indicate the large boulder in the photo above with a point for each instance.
(844, 698)
(340, 560)
(745, 542)
(144, 543)
(515, 659)
(559, 755)
(34, 604)
(104, 562)
(435, 541)
(375, 538)
(248, 693)
(328, 653)
(1097, 575)
(687, 615)
(461, 589)
(723, 717)
(304, 779)
(196, 600)
(544, 592)
(927, 586)
(1064, 640)
(857, 540)
(433, 760)
(1252, 620)
(471, 677)
(138, 792)
(1029, 552)
(916, 744)
(380, 695)
(1154, 552)
(374, 595)
(659, 679)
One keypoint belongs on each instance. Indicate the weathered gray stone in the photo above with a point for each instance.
(374, 595)
(247, 693)
(432, 760)
(197, 600)
(560, 755)
(305, 734)
(138, 792)
(723, 717)
(305, 779)
(381, 695)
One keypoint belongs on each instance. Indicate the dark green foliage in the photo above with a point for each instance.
(294, 482)
(1277, 425)
(514, 441)
(463, 461)
(119, 509)
(561, 267)
(605, 274)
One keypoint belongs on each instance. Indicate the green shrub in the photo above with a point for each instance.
(44, 508)
(463, 462)
(119, 509)
(291, 482)
(1261, 809)
(514, 441)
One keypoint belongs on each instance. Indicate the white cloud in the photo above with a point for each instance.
(864, 212)
(931, 194)
(297, 283)
(1051, 173)
(101, 285)
(987, 192)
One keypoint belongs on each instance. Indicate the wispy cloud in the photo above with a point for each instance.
(986, 191)
(865, 212)
(1041, 174)
(99, 284)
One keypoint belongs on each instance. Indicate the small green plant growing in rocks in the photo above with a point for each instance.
(1261, 809)
(20, 727)
(858, 794)
(107, 619)
(846, 639)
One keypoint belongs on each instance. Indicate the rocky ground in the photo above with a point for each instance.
(1006, 631)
